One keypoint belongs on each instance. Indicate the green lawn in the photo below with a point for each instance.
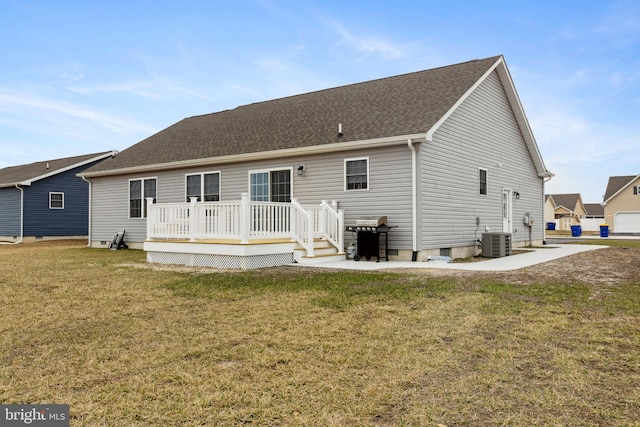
(128, 345)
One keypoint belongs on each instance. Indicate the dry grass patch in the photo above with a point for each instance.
(295, 346)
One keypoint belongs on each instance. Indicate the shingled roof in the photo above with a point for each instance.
(569, 201)
(617, 183)
(408, 104)
(594, 209)
(26, 174)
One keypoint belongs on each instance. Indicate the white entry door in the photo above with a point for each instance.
(507, 215)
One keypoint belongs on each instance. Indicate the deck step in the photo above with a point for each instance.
(323, 251)
(321, 259)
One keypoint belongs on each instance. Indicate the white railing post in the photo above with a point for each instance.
(322, 220)
(245, 219)
(294, 219)
(194, 219)
(310, 233)
(151, 218)
(341, 231)
(340, 225)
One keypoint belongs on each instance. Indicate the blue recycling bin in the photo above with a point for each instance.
(576, 231)
(551, 226)
(604, 230)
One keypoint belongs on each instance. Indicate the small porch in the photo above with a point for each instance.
(243, 234)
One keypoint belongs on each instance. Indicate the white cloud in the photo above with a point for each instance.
(139, 88)
(621, 24)
(367, 45)
(582, 152)
(156, 88)
(51, 110)
(63, 123)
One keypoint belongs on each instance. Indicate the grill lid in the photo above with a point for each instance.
(371, 221)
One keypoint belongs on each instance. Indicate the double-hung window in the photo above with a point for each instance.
(270, 186)
(356, 174)
(636, 190)
(139, 191)
(204, 186)
(483, 187)
(56, 200)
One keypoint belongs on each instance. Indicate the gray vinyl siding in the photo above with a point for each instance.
(10, 212)
(110, 210)
(389, 190)
(481, 133)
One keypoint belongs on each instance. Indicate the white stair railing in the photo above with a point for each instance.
(302, 227)
(332, 224)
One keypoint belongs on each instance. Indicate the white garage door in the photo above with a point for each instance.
(627, 222)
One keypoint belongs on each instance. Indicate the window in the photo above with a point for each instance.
(270, 186)
(56, 200)
(139, 191)
(204, 186)
(281, 186)
(636, 190)
(356, 174)
(483, 187)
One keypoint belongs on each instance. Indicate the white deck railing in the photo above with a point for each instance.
(246, 220)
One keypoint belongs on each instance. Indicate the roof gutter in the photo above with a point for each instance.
(263, 155)
(15, 184)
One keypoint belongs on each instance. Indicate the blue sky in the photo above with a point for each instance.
(78, 77)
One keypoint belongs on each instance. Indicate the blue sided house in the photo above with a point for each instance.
(46, 200)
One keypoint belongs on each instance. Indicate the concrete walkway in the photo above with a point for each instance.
(513, 262)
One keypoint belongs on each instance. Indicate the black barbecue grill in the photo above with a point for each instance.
(368, 230)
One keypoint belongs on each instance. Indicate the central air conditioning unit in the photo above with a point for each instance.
(495, 245)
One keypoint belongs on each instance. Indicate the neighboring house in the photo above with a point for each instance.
(594, 210)
(550, 210)
(46, 199)
(622, 204)
(568, 209)
(446, 154)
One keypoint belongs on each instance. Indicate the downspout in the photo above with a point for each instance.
(414, 200)
(89, 221)
(545, 179)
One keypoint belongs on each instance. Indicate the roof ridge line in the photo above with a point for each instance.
(495, 57)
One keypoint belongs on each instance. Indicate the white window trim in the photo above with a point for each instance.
(368, 174)
(479, 183)
(52, 193)
(251, 172)
(202, 174)
(143, 217)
